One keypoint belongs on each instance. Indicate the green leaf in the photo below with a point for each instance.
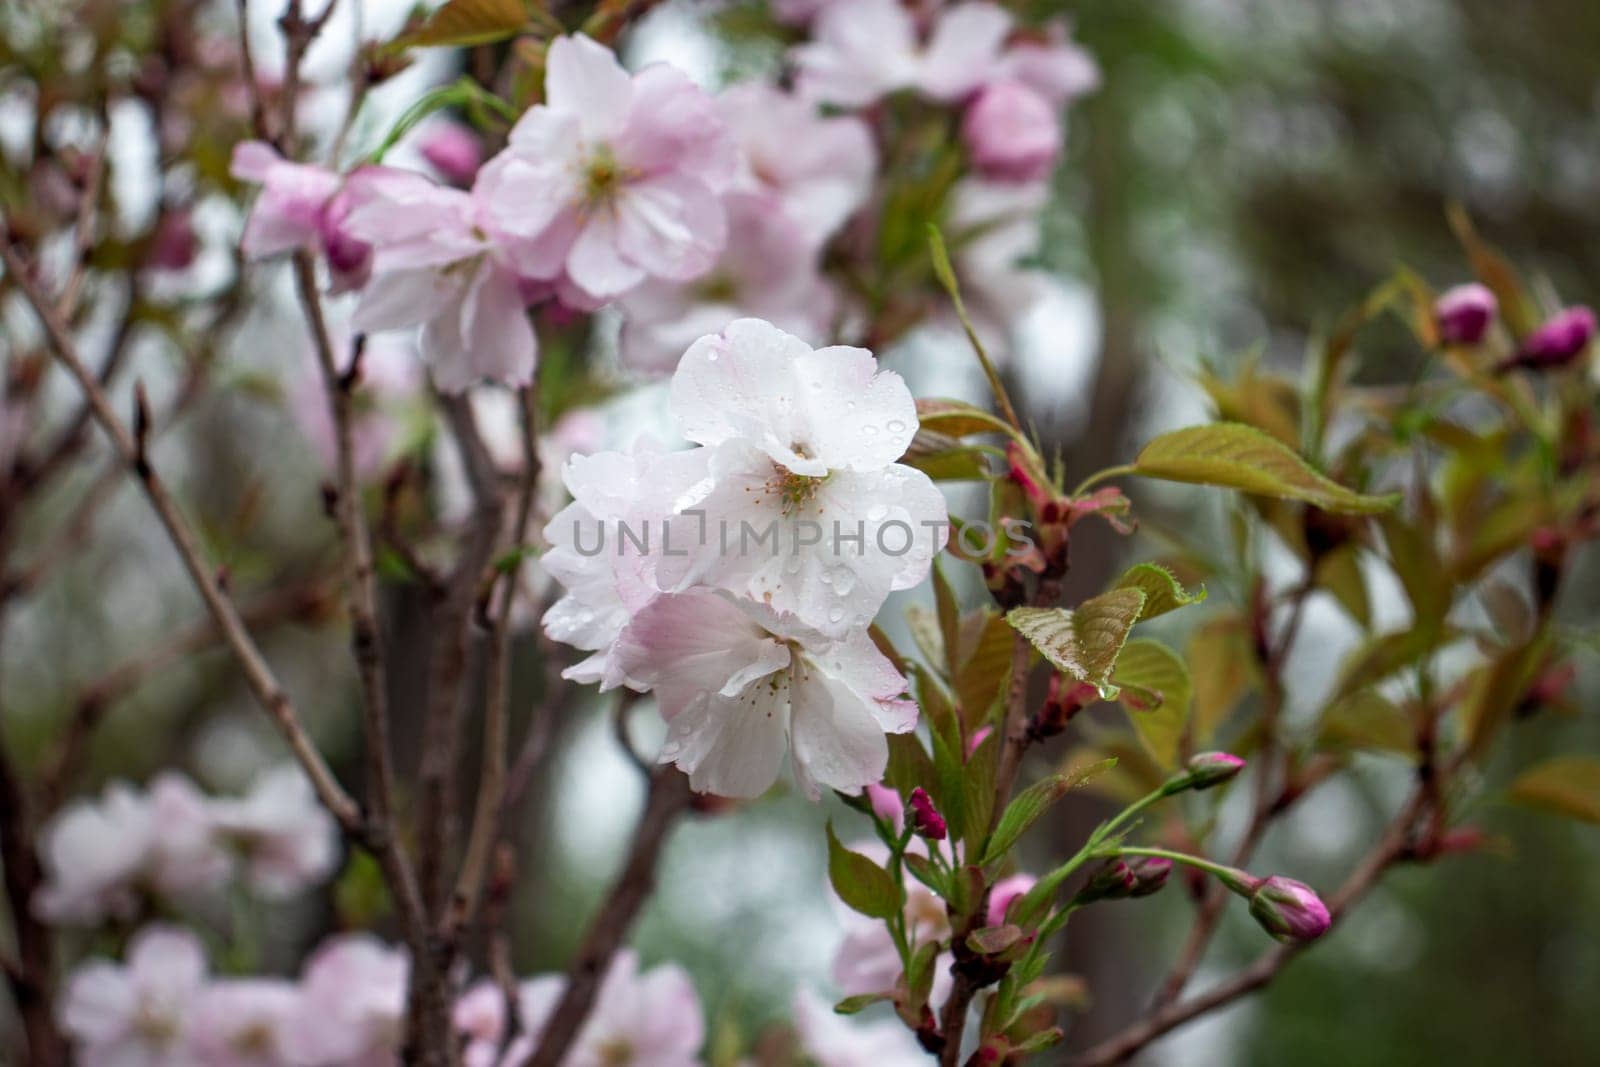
(1162, 590)
(1367, 721)
(985, 671)
(1030, 804)
(1152, 666)
(859, 1002)
(909, 765)
(1083, 641)
(1566, 785)
(944, 459)
(461, 23)
(957, 418)
(978, 791)
(1235, 456)
(1339, 572)
(860, 883)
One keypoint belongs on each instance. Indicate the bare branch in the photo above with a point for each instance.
(258, 673)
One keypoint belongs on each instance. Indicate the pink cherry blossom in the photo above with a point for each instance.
(739, 685)
(136, 1014)
(288, 841)
(438, 265)
(352, 1005)
(301, 206)
(805, 443)
(867, 49)
(614, 179)
(185, 855)
(993, 227)
(832, 1040)
(1057, 68)
(1012, 132)
(245, 1022)
(480, 1017)
(813, 169)
(1004, 893)
(769, 268)
(648, 1019)
(92, 853)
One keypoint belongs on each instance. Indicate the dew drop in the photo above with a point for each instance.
(835, 614)
(896, 426)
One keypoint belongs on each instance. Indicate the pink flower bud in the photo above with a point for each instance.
(979, 736)
(174, 245)
(1558, 341)
(1113, 881)
(1463, 314)
(1289, 910)
(1004, 893)
(1149, 874)
(1213, 768)
(452, 150)
(925, 818)
(1012, 132)
(886, 805)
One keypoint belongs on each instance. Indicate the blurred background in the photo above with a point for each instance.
(1247, 171)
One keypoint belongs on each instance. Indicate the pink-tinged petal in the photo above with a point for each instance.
(583, 78)
(99, 1002)
(730, 747)
(675, 126)
(880, 422)
(495, 329)
(1059, 70)
(671, 227)
(1012, 132)
(411, 221)
(253, 160)
(168, 960)
(690, 644)
(404, 298)
(522, 191)
(835, 737)
(859, 663)
(595, 265)
(964, 49)
(860, 51)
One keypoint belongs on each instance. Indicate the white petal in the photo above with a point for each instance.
(583, 78)
(835, 735)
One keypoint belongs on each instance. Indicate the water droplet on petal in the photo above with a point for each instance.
(835, 614)
(896, 426)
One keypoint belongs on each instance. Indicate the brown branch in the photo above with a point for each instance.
(258, 673)
(669, 795)
(496, 726)
(1395, 846)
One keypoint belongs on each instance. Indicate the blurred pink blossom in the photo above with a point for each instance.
(287, 840)
(1012, 133)
(452, 149)
(136, 1014)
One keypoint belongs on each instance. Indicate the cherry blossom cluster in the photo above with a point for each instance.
(736, 580)
(163, 1005)
(104, 858)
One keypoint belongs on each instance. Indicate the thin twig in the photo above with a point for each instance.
(258, 673)
(1394, 847)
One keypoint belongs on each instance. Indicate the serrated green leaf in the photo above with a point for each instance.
(1162, 590)
(1235, 456)
(1152, 666)
(1030, 804)
(985, 670)
(1083, 641)
(1223, 670)
(1566, 785)
(860, 883)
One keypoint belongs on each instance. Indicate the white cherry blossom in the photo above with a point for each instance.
(136, 1014)
(739, 685)
(805, 443)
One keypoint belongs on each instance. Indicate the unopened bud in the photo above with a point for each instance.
(1004, 893)
(886, 805)
(1463, 314)
(1558, 341)
(925, 818)
(1204, 770)
(1289, 910)
(1113, 881)
(1149, 874)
